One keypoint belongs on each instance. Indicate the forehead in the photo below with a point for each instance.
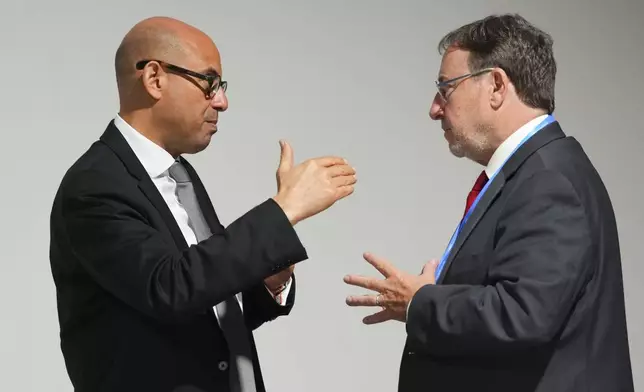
(454, 63)
(203, 55)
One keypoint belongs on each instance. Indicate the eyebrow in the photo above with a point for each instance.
(210, 71)
(442, 78)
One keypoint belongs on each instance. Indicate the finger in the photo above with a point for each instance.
(330, 161)
(364, 282)
(383, 315)
(363, 300)
(343, 181)
(430, 267)
(382, 265)
(286, 157)
(341, 170)
(344, 191)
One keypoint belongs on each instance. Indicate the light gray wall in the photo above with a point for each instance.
(351, 78)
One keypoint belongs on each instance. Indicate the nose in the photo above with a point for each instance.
(436, 108)
(220, 101)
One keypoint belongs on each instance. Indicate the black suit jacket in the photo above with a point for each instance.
(531, 298)
(134, 301)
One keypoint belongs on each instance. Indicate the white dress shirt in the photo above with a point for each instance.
(156, 161)
(510, 144)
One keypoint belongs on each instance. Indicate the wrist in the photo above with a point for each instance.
(277, 289)
(287, 209)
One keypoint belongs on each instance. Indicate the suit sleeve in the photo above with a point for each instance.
(140, 265)
(260, 306)
(541, 262)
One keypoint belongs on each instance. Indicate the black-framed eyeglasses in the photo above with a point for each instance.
(444, 86)
(214, 81)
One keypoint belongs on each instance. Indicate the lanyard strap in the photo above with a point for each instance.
(549, 119)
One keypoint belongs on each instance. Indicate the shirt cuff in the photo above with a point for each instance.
(281, 297)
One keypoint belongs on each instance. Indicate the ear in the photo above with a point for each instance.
(154, 79)
(500, 88)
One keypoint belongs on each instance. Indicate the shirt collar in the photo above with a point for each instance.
(510, 144)
(154, 158)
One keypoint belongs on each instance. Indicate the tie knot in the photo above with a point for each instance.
(480, 182)
(178, 173)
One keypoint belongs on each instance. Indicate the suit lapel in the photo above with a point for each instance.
(548, 134)
(484, 203)
(152, 193)
(113, 139)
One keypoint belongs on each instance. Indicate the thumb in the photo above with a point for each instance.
(286, 157)
(430, 268)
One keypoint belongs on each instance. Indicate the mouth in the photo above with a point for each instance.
(213, 125)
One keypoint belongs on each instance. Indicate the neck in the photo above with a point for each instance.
(511, 124)
(506, 126)
(142, 122)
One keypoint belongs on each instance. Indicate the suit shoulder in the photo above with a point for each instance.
(567, 157)
(97, 169)
(564, 167)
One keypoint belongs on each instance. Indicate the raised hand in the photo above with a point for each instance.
(312, 186)
(394, 292)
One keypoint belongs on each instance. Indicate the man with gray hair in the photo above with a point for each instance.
(528, 295)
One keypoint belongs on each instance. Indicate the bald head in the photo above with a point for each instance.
(161, 38)
(169, 99)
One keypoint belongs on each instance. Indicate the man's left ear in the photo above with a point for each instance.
(500, 87)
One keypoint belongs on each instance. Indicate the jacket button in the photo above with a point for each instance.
(223, 365)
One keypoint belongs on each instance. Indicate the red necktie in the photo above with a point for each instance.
(476, 189)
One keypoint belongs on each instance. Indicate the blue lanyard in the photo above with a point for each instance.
(549, 119)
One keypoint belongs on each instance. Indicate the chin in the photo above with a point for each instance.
(202, 146)
(457, 152)
(456, 149)
(198, 146)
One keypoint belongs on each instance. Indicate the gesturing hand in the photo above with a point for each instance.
(313, 185)
(394, 292)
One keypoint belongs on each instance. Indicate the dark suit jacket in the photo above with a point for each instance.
(531, 298)
(134, 301)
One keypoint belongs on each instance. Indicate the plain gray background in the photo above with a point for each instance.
(333, 77)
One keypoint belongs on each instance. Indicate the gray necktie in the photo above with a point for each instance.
(231, 319)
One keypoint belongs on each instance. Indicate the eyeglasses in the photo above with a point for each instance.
(445, 86)
(214, 81)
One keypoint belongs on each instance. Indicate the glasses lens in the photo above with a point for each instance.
(214, 87)
(218, 84)
(442, 91)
